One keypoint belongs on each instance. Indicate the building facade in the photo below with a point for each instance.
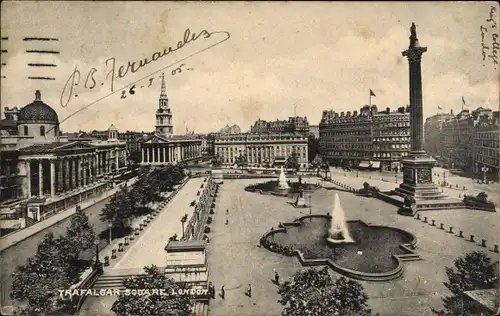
(298, 125)
(371, 139)
(164, 147)
(487, 150)
(42, 172)
(458, 139)
(432, 133)
(261, 150)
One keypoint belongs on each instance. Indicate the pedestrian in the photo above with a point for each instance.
(222, 292)
(276, 277)
(227, 212)
(249, 291)
(227, 220)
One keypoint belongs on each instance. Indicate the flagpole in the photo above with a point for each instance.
(370, 93)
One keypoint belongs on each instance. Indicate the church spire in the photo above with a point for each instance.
(163, 94)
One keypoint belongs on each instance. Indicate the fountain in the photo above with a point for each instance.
(282, 187)
(352, 248)
(282, 184)
(338, 232)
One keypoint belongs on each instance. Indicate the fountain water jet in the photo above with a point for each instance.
(338, 232)
(282, 184)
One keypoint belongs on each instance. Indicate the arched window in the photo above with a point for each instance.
(42, 130)
(25, 130)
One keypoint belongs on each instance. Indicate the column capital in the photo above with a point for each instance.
(414, 54)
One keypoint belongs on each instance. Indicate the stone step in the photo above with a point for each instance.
(410, 257)
(111, 281)
(200, 309)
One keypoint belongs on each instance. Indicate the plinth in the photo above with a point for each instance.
(417, 178)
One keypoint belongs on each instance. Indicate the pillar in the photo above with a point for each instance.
(52, 178)
(414, 54)
(66, 174)
(40, 178)
(28, 177)
(108, 162)
(142, 155)
(73, 173)
(147, 154)
(60, 179)
(79, 171)
(101, 162)
(117, 160)
(86, 164)
(164, 155)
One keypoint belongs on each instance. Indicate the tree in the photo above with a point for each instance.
(36, 283)
(241, 160)
(292, 162)
(79, 236)
(80, 232)
(317, 161)
(135, 156)
(153, 304)
(315, 293)
(474, 271)
(217, 161)
(120, 208)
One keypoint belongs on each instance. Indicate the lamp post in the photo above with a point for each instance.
(96, 243)
(110, 226)
(183, 220)
(484, 169)
(310, 211)
(444, 178)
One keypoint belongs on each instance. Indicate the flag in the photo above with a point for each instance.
(439, 108)
(463, 101)
(372, 94)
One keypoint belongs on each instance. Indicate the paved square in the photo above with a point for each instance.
(235, 260)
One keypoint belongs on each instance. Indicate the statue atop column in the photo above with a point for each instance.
(413, 36)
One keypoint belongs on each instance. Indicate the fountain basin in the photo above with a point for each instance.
(272, 187)
(377, 253)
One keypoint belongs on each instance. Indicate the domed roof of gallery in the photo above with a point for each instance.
(38, 112)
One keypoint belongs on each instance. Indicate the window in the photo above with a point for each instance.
(42, 130)
(25, 130)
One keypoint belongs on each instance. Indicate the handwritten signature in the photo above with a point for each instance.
(490, 44)
(113, 73)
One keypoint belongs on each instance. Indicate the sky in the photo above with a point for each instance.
(264, 60)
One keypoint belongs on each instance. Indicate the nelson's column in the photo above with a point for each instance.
(417, 166)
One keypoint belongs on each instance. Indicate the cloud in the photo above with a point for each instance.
(270, 65)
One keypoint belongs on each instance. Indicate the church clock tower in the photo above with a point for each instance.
(163, 126)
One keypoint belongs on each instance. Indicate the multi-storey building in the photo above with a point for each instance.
(487, 147)
(297, 124)
(43, 172)
(432, 133)
(261, 149)
(164, 147)
(370, 139)
(457, 138)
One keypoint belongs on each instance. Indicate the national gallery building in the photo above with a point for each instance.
(42, 172)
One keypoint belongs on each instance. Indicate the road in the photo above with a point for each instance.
(471, 185)
(19, 253)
